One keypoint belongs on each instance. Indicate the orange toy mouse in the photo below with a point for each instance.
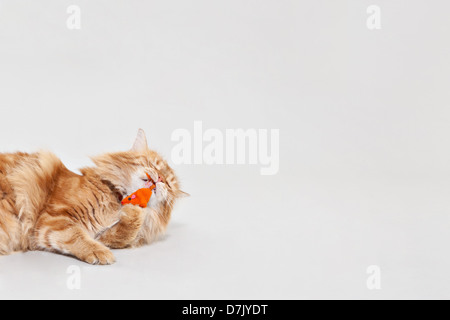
(140, 197)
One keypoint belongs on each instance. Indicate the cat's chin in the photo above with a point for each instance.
(151, 211)
(154, 203)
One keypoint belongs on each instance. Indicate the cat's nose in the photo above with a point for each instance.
(160, 180)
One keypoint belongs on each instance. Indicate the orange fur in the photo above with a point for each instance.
(44, 206)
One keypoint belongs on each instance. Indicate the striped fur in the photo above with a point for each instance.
(44, 206)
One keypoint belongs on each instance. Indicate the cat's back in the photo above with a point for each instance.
(28, 178)
(10, 160)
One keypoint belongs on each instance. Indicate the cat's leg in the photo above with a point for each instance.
(5, 239)
(61, 234)
(124, 233)
(10, 230)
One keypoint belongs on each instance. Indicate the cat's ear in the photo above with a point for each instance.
(141, 142)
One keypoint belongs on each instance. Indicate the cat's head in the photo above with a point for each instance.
(128, 172)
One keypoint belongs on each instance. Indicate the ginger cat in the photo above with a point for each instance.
(44, 206)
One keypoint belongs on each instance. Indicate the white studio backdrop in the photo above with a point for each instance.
(358, 90)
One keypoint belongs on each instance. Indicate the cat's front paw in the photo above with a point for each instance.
(132, 214)
(99, 255)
